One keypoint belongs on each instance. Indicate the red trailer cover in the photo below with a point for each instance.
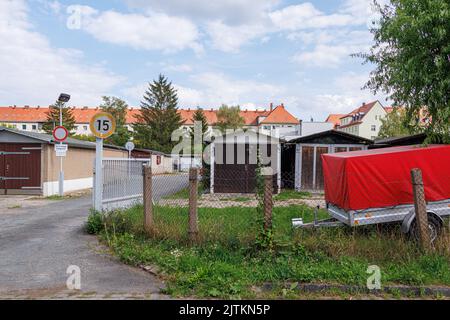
(382, 177)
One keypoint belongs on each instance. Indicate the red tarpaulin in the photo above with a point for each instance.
(382, 177)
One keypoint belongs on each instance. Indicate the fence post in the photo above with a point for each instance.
(268, 201)
(147, 195)
(193, 209)
(420, 208)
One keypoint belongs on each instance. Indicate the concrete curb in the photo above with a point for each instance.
(409, 291)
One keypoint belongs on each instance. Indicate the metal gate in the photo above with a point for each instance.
(20, 168)
(122, 182)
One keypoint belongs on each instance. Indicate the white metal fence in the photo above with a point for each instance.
(122, 182)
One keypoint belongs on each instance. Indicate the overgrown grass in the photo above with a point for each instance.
(182, 194)
(292, 194)
(237, 199)
(227, 263)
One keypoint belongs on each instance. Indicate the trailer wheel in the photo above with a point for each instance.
(434, 225)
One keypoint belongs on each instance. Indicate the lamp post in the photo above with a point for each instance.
(63, 99)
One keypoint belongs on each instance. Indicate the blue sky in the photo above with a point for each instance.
(246, 52)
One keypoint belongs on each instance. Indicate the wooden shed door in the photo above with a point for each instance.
(307, 167)
(20, 167)
(319, 169)
(312, 180)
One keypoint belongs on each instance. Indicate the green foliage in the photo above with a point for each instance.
(7, 125)
(94, 223)
(118, 108)
(229, 118)
(199, 116)
(412, 58)
(396, 124)
(230, 266)
(53, 118)
(159, 117)
(84, 137)
(291, 194)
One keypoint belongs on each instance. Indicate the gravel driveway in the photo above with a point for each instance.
(39, 242)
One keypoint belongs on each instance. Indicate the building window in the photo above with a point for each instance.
(158, 160)
(374, 128)
(266, 127)
(24, 127)
(85, 128)
(33, 127)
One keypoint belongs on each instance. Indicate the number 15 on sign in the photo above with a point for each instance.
(103, 125)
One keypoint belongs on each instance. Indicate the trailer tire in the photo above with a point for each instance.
(434, 224)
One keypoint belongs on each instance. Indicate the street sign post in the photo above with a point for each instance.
(102, 126)
(130, 147)
(60, 134)
(61, 149)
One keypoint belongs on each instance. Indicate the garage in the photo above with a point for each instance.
(29, 165)
(235, 162)
(309, 151)
(20, 168)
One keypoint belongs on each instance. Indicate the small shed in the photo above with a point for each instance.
(28, 163)
(303, 164)
(235, 159)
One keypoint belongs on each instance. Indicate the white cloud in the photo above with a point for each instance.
(331, 49)
(306, 16)
(213, 89)
(153, 31)
(232, 12)
(34, 72)
(230, 38)
(181, 68)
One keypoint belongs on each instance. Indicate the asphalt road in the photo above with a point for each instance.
(38, 244)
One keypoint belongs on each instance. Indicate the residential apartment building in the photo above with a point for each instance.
(364, 121)
(274, 121)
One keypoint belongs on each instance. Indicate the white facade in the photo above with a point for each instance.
(364, 125)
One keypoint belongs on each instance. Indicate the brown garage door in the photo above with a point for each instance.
(232, 177)
(20, 168)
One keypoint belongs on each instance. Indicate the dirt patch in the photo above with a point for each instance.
(239, 200)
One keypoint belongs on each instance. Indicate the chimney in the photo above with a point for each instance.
(14, 107)
(38, 107)
(189, 109)
(282, 105)
(212, 109)
(271, 106)
(26, 107)
(85, 108)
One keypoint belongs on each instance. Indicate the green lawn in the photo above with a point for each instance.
(182, 194)
(228, 262)
(291, 194)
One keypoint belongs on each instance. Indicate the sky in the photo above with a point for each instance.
(237, 52)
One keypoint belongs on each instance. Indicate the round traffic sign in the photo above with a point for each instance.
(129, 146)
(103, 125)
(60, 133)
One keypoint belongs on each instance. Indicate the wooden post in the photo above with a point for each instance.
(148, 205)
(268, 201)
(421, 209)
(193, 210)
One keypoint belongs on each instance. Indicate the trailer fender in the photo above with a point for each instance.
(407, 221)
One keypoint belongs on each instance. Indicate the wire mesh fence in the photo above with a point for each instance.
(122, 182)
(234, 208)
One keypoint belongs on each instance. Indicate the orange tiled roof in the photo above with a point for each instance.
(335, 119)
(83, 115)
(279, 115)
(365, 108)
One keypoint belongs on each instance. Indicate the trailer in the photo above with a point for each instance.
(374, 187)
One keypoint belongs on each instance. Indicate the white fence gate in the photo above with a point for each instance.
(122, 182)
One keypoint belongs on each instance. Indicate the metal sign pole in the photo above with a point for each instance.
(61, 172)
(98, 183)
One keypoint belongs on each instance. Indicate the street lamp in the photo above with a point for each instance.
(63, 98)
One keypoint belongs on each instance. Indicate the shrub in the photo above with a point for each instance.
(94, 224)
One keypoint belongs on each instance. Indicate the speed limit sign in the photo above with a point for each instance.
(103, 125)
